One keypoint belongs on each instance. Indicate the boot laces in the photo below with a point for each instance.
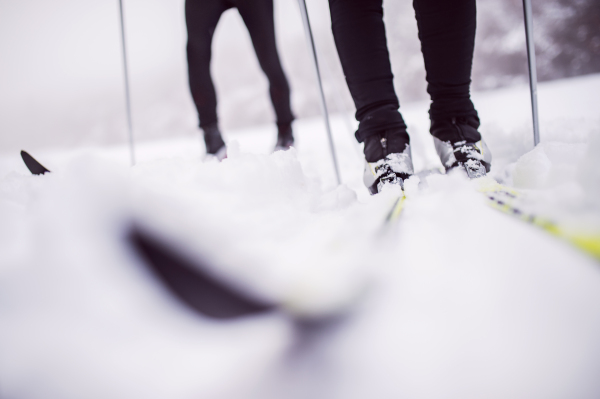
(387, 176)
(464, 151)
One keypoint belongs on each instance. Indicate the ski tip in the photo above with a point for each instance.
(32, 164)
(189, 282)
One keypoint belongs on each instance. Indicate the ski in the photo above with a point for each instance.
(396, 209)
(189, 281)
(504, 199)
(33, 165)
(185, 279)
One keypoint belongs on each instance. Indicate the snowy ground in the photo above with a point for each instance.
(457, 301)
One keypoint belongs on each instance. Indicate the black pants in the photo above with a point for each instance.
(447, 35)
(202, 17)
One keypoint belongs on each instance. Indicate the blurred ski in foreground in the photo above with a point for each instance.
(188, 281)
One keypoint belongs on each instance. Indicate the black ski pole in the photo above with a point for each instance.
(532, 69)
(127, 97)
(313, 52)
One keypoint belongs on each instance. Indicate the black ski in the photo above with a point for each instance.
(34, 166)
(188, 280)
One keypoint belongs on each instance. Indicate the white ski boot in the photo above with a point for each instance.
(460, 145)
(388, 161)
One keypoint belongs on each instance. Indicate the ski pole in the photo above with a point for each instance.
(311, 44)
(127, 97)
(532, 69)
(339, 102)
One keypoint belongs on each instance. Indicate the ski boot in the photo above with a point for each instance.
(459, 145)
(388, 160)
(285, 138)
(215, 146)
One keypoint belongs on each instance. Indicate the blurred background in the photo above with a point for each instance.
(61, 78)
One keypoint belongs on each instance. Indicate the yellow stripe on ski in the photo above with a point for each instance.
(588, 242)
(397, 209)
(489, 185)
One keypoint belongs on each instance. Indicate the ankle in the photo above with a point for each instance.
(284, 130)
(378, 146)
(212, 138)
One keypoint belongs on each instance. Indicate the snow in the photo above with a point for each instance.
(399, 162)
(455, 301)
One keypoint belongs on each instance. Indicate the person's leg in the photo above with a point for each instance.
(359, 34)
(258, 17)
(201, 18)
(447, 34)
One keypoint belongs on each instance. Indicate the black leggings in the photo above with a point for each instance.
(447, 34)
(201, 18)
